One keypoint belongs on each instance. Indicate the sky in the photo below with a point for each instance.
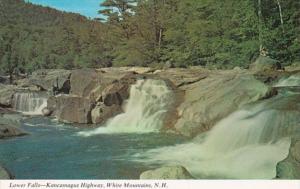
(87, 8)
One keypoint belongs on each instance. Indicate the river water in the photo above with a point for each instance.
(56, 151)
(247, 144)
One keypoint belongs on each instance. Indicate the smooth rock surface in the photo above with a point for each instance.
(46, 112)
(165, 173)
(51, 80)
(109, 98)
(102, 113)
(115, 93)
(295, 151)
(213, 98)
(112, 84)
(180, 76)
(290, 167)
(6, 94)
(10, 118)
(4, 174)
(71, 109)
(8, 131)
(83, 82)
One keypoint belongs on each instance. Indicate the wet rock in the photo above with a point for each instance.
(286, 170)
(8, 117)
(295, 151)
(89, 88)
(289, 168)
(8, 131)
(111, 98)
(115, 93)
(6, 95)
(71, 109)
(5, 111)
(112, 89)
(4, 174)
(211, 99)
(165, 173)
(46, 112)
(102, 113)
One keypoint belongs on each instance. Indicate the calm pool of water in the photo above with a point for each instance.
(55, 151)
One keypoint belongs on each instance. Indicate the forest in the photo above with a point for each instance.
(155, 33)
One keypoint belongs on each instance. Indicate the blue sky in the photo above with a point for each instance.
(87, 8)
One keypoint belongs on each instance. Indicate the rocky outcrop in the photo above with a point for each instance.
(118, 91)
(295, 151)
(213, 98)
(71, 109)
(6, 95)
(265, 64)
(9, 123)
(56, 81)
(8, 131)
(83, 82)
(95, 96)
(8, 117)
(102, 112)
(290, 167)
(4, 174)
(110, 100)
(91, 83)
(167, 173)
(180, 77)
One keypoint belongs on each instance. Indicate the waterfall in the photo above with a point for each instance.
(247, 144)
(144, 111)
(31, 103)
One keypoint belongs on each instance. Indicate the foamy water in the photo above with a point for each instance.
(144, 111)
(240, 146)
(29, 103)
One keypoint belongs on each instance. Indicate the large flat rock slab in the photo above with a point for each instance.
(209, 100)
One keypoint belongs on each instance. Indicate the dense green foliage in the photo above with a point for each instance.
(214, 33)
(211, 33)
(33, 37)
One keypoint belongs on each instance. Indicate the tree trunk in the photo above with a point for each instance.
(160, 38)
(280, 13)
(10, 78)
(260, 27)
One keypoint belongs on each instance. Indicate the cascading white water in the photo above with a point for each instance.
(30, 103)
(292, 81)
(144, 111)
(248, 144)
